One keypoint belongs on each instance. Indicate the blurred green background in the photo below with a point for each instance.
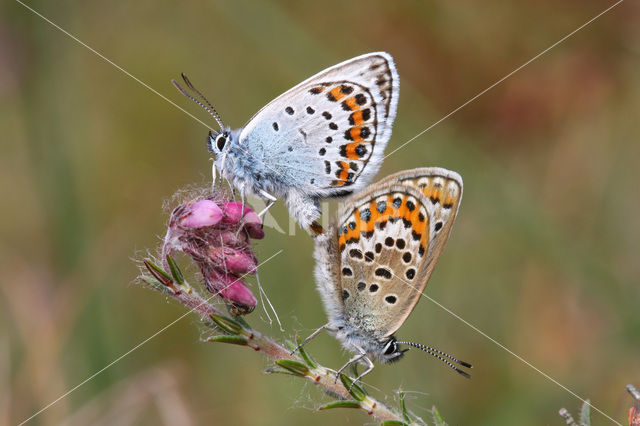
(543, 257)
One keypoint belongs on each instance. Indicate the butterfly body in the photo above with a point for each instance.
(324, 138)
(373, 263)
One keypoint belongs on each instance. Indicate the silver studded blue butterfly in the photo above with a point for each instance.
(324, 138)
(374, 261)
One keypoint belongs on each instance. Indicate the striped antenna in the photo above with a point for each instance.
(442, 356)
(208, 107)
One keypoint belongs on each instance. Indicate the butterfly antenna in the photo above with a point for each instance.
(213, 111)
(442, 356)
(208, 107)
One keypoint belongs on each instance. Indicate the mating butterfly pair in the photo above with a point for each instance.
(325, 138)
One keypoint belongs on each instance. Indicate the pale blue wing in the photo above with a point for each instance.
(328, 134)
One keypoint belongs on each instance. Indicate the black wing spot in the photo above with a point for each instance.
(397, 202)
(329, 139)
(361, 150)
(290, 149)
(352, 225)
(353, 166)
(289, 110)
(327, 167)
(421, 250)
(400, 243)
(378, 248)
(410, 273)
(438, 226)
(310, 110)
(345, 294)
(347, 272)
(391, 299)
(406, 257)
(416, 236)
(312, 181)
(275, 126)
(383, 272)
(382, 206)
(420, 217)
(327, 115)
(410, 205)
(382, 224)
(333, 126)
(361, 99)
(366, 114)
(315, 90)
(322, 151)
(388, 242)
(365, 132)
(355, 253)
(368, 256)
(346, 89)
(361, 286)
(373, 288)
(365, 215)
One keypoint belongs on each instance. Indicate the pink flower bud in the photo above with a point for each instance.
(238, 294)
(233, 239)
(231, 289)
(233, 212)
(253, 225)
(202, 213)
(240, 263)
(234, 261)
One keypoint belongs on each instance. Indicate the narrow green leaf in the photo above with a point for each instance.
(585, 414)
(305, 356)
(341, 404)
(227, 324)
(158, 272)
(437, 418)
(234, 340)
(275, 369)
(240, 320)
(175, 270)
(393, 423)
(354, 389)
(294, 366)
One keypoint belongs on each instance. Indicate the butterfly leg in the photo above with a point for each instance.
(357, 357)
(367, 371)
(270, 201)
(311, 336)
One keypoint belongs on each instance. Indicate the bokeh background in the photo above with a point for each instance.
(543, 257)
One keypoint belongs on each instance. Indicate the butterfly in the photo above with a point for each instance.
(324, 138)
(373, 263)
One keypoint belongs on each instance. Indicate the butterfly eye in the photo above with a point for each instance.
(391, 348)
(220, 141)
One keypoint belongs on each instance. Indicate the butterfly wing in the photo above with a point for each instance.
(388, 241)
(328, 133)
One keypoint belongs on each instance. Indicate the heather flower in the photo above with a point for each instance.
(216, 234)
